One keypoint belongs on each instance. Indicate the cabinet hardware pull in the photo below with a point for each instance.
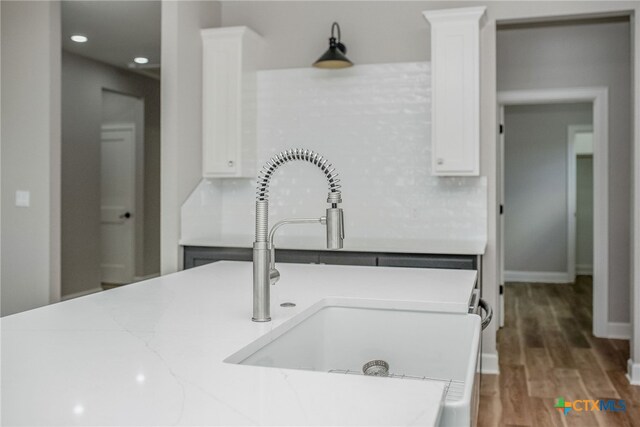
(488, 313)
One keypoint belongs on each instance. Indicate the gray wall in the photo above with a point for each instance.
(596, 54)
(82, 83)
(584, 214)
(535, 159)
(30, 132)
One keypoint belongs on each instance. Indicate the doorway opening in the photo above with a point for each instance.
(121, 184)
(110, 162)
(580, 176)
(540, 170)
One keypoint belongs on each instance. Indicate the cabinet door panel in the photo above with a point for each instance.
(229, 119)
(455, 90)
(221, 107)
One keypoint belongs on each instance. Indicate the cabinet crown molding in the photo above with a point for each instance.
(457, 14)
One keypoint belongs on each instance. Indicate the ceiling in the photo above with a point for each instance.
(118, 31)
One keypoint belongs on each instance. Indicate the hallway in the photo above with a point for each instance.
(547, 351)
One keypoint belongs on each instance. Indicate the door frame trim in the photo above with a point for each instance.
(600, 98)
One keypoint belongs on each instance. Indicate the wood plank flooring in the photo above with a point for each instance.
(547, 351)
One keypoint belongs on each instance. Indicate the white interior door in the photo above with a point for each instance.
(118, 183)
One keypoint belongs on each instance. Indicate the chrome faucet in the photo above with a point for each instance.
(264, 271)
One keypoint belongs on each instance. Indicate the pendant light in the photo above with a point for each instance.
(334, 58)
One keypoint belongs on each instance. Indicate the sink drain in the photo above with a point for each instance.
(376, 368)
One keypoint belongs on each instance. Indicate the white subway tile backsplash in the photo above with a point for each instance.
(372, 122)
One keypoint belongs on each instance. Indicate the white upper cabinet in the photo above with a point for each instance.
(455, 90)
(229, 102)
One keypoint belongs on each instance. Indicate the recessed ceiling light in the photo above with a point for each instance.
(141, 60)
(78, 38)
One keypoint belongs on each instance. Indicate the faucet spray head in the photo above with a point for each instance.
(335, 222)
(335, 228)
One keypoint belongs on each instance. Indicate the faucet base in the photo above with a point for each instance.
(268, 319)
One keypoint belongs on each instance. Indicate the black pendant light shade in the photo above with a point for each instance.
(334, 58)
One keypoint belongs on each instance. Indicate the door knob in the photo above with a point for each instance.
(125, 215)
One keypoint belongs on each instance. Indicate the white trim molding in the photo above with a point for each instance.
(537, 276)
(599, 96)
(634, 368)
(633, 372)
(490, 363)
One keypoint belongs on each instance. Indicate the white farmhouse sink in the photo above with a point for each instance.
(338, 335)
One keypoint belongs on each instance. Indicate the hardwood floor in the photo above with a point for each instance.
(547, 351)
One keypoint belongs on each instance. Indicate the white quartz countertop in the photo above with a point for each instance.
(152, 353)
(423, 246)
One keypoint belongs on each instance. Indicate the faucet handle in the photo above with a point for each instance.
(274, 276)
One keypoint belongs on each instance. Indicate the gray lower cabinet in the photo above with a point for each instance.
(195, 256)
(298, 257)
(430, 261)
(347, 258)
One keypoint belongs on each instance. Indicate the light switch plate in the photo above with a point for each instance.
(23, 199)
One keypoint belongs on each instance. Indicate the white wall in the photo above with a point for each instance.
(30, 132)
(580, 55)
(373, 123)
(536, 164)
(181, 114)
(83, 81)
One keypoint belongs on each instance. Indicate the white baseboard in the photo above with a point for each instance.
(80, 294)
(620, 331)
(537, 276)
(490, 363)
(584, 269)
(147, 277)
(633, 372)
